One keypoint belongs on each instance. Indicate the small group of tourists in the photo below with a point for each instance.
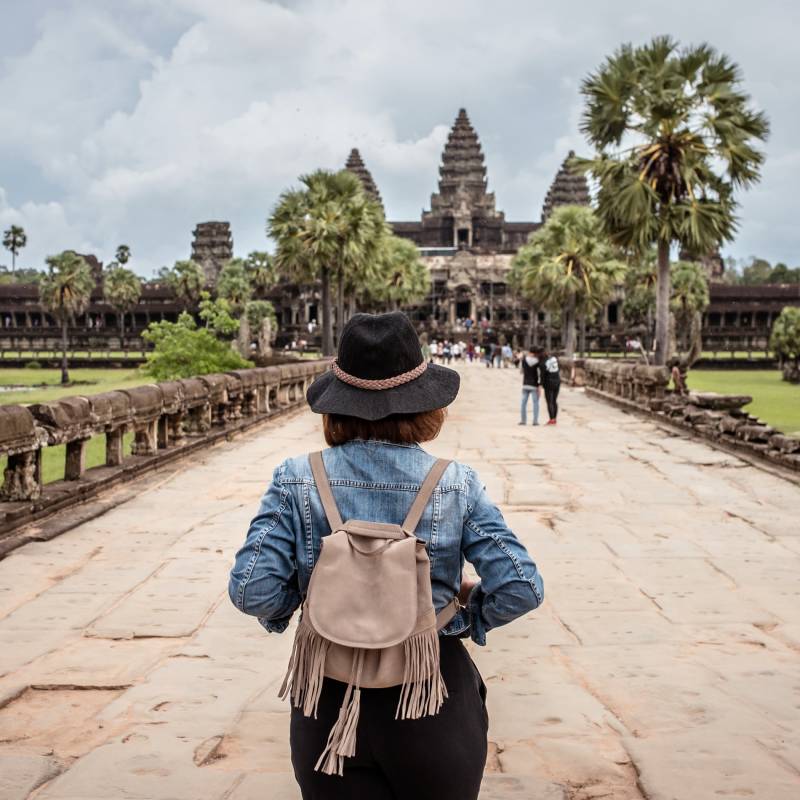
(368, 539)
(540, 372)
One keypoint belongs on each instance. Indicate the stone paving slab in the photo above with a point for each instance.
(663, 666)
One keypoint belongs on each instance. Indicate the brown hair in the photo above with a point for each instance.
(397, 428)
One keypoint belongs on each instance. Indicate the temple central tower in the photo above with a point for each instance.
(462, 200)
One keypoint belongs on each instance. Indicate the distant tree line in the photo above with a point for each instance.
(756, 271)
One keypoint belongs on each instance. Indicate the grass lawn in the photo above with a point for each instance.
(91, 381)
(101, 380)
(774, 400)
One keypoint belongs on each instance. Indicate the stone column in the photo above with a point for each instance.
(75, 464)
(114, 447)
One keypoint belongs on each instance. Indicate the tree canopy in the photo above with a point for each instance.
(14, 239)
(785, 338)
(568, 265)
(65, 292)
(186, 279)
(328, 230)
(675, 135)
(181, 350)
(234, 284)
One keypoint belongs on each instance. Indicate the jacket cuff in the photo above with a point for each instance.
(275, 625)
(477, 627)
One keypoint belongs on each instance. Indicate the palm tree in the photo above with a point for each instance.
(568, 265)
(689, 299)
(400, 278)
(122, 290)
(234, 284)
(14, 239)
(65, 292)
(261, 270)
(123, 254)
(186, 279)
(327, 230)
(675, 136)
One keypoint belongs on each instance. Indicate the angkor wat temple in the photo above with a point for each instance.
(465, 241)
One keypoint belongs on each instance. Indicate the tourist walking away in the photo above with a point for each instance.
(531, 386)
(385, 699)
(551, 383)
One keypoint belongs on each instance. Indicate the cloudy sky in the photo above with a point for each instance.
(132, 120)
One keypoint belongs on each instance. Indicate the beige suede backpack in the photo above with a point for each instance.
(368, 619)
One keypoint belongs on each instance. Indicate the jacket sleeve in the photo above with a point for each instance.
(263, 581)
(510, 584)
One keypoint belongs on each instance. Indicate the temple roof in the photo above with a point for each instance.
(568, 189)
(355, 164)
(462, 174)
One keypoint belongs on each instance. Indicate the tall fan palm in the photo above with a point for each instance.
(122, 290)
(234, 284)
(65, 292)
(568, 265)
(327, 230)
(675, 136)
(14, 239)
(400, 277)
(186, 279)
(689, 298)
(261, 270)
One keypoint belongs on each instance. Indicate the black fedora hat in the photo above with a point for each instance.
(379, 370)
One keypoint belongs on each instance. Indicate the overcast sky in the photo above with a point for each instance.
(132, 120)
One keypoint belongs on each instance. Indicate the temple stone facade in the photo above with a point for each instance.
(468, 244)
(212, 248)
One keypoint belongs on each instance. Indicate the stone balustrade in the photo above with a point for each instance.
(166, 419)
(720, 419)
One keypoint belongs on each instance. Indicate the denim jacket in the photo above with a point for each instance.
(377, 481)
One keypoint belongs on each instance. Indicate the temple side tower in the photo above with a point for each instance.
(212, 248)
(355, 164)
(568, 189)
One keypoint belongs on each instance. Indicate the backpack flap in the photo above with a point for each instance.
(363, 590)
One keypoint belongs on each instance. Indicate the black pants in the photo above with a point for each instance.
(433, 758)
(551, 396)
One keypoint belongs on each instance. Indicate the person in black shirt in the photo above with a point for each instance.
(531, 383)
(551, 382)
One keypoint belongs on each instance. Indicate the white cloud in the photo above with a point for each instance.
(133, 121)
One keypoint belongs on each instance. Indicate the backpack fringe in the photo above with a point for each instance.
(306, 670)
(342, 738)
(423, 690)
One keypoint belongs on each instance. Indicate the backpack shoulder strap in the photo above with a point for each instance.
(424, 494)
(324, 489)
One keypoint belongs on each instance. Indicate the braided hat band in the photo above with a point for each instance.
(382, 383)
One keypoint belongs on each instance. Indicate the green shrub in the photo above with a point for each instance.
(33, 365)
(181, 350)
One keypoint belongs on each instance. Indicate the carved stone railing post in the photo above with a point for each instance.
(251, 381)
(146, 408)
(217, 387)
(75, 464)
(21, 440)
(112, 414)
(68, 421)
(170, 424)
(273, 380)
(115, 447)
(197, 404)
(235, 390)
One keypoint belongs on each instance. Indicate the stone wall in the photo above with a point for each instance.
(719, 419)
(167, 420)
